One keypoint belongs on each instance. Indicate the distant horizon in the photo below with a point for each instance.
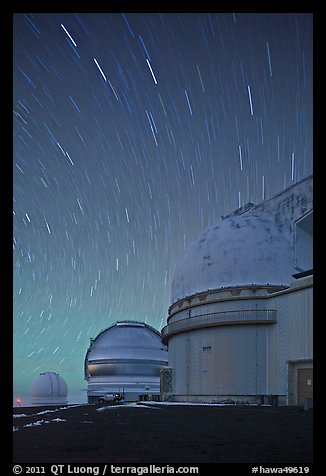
(25, 400)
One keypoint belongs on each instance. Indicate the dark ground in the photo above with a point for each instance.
(165, 435)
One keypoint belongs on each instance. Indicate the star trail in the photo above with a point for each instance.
(132, 133)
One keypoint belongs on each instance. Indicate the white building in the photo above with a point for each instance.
(127, 358)
(49, 388)
(240, 323)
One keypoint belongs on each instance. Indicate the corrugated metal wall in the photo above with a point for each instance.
(244, 359)
(221, 360)
(292, 338)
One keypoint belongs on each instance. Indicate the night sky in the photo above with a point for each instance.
(132, 133)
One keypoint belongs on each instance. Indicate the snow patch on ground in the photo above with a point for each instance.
(36, 423)
(44, 412)
(156, 405)
(188, 404)
(114, 407)
(57, 409)
(39, 423)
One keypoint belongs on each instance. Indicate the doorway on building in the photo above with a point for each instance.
(305, 385)
(300, 381)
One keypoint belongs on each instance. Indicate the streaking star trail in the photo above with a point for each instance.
(133, 132)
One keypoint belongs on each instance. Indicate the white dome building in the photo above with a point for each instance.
(48, 389)
(127, 358)
(242, 250)
(240, 323)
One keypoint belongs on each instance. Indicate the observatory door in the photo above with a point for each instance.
(305, 387)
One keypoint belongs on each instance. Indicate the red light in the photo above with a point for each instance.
(18, 401)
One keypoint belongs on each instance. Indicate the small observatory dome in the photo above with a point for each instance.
(49, 389)
(126, 357)
(247, 249)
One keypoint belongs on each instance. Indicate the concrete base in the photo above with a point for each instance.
(228, 399)
(308, 403)
(273, 400)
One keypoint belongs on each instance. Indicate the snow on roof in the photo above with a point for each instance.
(239, 250)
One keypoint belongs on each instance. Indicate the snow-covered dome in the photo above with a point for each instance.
(49, 389)
(239, 250)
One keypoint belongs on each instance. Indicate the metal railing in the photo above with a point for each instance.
(224, 318)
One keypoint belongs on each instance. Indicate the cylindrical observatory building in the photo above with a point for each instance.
(127, 358)
(240, 324)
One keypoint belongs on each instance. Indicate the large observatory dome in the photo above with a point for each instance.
(127, 340)
(48, 389)
(239, 250)
(128, 357)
